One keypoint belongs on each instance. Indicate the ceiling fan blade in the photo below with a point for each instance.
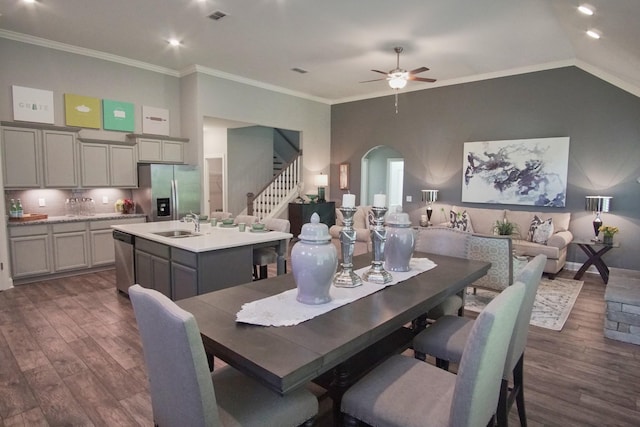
(374, 80)
(421, 79)
(419, 70)
(381, 72)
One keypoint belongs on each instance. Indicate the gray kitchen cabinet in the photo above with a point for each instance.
(30, 251)
(70, 246)
(37, 156)
(153, 266)
(60, 154)
(159, 149)
(105, 164)
(101, 240)
(184, 274)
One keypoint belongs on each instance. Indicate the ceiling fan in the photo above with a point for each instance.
(398, 77)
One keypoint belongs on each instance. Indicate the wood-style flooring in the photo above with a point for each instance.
(70, 355)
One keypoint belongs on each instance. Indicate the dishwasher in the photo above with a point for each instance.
(125, 264)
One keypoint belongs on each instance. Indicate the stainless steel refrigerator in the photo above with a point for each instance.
(167, 192)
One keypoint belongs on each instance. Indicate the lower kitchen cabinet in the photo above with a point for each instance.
(152, 271)
(30, 250)
(61, 248)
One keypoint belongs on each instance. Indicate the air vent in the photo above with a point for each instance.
(299, 70)
(217, 15)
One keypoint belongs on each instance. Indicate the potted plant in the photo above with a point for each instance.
(505, 228)
(608, 231)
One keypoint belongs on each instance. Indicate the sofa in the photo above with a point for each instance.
(549, 234)
(361, 227)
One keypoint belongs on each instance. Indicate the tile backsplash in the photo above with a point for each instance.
(54, 200)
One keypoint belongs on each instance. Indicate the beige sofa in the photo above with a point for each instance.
(361, 227)
(483, 222)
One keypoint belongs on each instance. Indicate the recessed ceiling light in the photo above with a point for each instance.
(29, 1)
(587, 9)
(594, 34)
(174, 42)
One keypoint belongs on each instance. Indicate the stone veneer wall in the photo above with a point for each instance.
(623, 309)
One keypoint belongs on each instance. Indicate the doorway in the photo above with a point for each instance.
(382, 171)
(215, 184)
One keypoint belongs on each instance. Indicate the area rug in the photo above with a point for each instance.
(554, 301)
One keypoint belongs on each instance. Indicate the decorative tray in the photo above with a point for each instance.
(29, 217)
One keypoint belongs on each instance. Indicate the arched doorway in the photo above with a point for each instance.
(382, 170)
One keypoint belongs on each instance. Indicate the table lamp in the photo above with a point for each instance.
(597, 205)
(321, 181)
(429, 196)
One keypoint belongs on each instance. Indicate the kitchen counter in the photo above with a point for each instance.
(209, 238)
(77, 218)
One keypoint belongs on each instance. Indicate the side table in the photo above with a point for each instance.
(595, 251)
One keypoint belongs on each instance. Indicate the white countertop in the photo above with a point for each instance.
(209, 238)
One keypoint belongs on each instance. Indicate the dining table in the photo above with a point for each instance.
(333, 349)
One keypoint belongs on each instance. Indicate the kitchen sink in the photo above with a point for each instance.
(177, 233)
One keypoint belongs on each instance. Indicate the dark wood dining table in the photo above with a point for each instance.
(335, 348)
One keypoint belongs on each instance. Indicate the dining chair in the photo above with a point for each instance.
(185, 393)
(220, 215)
(404, 391)
(247, 219)
(446, 339)
(264, 256)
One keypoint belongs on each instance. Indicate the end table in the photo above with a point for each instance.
(595, 251)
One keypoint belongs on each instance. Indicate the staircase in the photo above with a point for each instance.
(274, 198)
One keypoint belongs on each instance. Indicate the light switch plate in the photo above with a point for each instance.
(105, 200)
(42, 202)
(409, 199)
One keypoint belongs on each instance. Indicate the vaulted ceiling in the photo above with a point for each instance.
(338, 42)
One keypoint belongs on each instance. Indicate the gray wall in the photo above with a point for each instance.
(432, 125)
(252, 148)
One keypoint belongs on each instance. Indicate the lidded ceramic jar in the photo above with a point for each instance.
(400, 242)
(314, 261)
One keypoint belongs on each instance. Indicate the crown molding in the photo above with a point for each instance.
(608, 77)
(24, 38)
(273, 88)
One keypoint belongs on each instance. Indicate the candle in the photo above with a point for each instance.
(379, 200)
(349, 201)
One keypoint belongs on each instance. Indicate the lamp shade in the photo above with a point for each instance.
(321, 180)
(598, 203)
(429, 195)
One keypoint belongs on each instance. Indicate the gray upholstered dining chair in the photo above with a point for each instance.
(220, 215)
(264, 256)
(185, 393)
(404, 391)
(247, 219)
(446, 339)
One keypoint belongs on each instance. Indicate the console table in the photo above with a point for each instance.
(595, 251)
(300, 213)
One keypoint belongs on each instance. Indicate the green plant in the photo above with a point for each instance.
(505, 228)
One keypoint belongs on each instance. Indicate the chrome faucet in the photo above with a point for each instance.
(195, 219)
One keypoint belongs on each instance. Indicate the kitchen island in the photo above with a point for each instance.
(211, 259)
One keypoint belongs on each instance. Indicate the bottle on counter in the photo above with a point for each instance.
(19, 211)
(13, 209)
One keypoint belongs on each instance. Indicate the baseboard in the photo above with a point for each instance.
(575, 266)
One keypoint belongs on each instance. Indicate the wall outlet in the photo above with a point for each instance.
(42, 202)
(105, 200)
(409, 199)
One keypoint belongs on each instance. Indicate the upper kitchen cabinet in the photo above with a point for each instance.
(39, 156)
(158, 148)
(107, 164)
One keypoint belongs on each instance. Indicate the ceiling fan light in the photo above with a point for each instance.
(398, 80)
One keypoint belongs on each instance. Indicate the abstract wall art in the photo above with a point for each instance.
(530, 172)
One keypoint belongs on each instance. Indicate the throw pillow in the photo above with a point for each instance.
(460, 221)
(540, 230)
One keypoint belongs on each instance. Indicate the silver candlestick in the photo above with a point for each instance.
(346, 278)
(377, 273)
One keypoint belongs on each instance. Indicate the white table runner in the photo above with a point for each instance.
(284, 310)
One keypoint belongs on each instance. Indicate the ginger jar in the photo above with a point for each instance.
(398, 248)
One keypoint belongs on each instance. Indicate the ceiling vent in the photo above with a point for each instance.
(217, 15)
(299, 70)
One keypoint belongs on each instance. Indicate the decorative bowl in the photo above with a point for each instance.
(257, 226)
(203, 217)
(227, 221)
(312, 197)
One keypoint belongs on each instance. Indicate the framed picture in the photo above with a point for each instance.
(344, 176)
(531, 172)
(117, 115)
(155, 120)
(32, 105)
(82, 111)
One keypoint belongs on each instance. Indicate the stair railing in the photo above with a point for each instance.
(274, 196)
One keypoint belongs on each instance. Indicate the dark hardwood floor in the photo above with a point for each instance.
(70, 355)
